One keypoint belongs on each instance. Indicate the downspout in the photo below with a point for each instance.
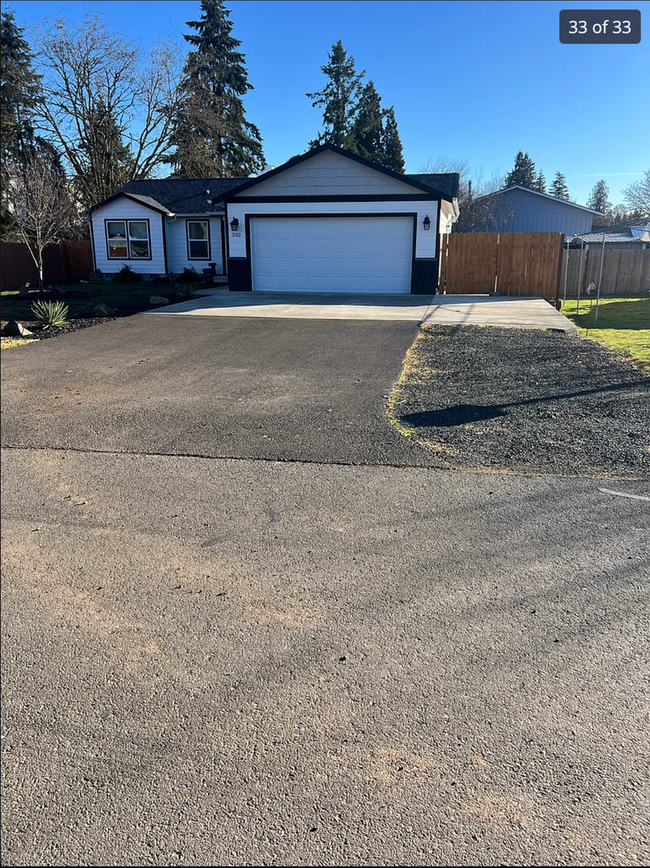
(164, 234)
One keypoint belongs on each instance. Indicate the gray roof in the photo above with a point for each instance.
(543, 195)
(610, 238)
(447, 183)
(183, 195)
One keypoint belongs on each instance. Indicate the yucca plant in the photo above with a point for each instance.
(51, 313)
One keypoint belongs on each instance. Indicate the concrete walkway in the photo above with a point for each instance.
(533, 313)
(436, 310)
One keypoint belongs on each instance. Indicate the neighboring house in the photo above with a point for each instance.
(617, 237)
(326, 221)
(522, 210)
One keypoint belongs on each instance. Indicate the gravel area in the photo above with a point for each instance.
(521, 399)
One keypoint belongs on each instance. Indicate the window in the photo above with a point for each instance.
(198, 240)
(128, 239)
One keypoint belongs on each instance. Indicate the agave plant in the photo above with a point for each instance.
(50, 313)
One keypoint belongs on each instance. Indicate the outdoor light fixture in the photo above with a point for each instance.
(426, 222)
(234, 224)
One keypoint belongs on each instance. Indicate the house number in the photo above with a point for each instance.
(236, 234)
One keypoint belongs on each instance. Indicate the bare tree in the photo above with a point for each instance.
(637, 195)
(106, 105)
(479, 211)
(42, 208)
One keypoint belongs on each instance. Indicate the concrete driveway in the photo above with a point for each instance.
(288, 656)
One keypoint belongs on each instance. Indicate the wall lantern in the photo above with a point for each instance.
(426, 222)
(234, 224)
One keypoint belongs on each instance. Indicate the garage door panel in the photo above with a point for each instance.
(333, 254)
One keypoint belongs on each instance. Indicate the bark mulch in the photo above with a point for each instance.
(525, 400)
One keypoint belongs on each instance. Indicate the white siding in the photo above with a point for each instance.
(425, 242)
(126, 209)
(177, 244)
(446, 217)
(329, 174)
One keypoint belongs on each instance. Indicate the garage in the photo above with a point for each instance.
(332, 253)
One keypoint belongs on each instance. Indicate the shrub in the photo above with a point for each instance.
(51, 313)
(127, 275)
(189, 275)
(185, 290)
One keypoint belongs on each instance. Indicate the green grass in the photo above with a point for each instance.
(623, 324)
(82, 299)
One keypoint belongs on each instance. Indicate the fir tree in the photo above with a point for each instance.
(367, 133)
(599, 198)
(339, 98)
(559, 187)
(392, 144)
(540, 182)
(19, 91)
(212, 137)
(523, 173)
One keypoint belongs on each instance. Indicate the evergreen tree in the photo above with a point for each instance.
(559, 187)
(523, 174)
(339, 98)
(599, 198)
(540, 182)
(366, 138)
(212, 137)
(19, 91)
(393, 154)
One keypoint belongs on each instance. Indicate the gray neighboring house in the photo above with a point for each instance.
(523, 210)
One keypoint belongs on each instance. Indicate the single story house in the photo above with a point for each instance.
(518, 209)
(632, 236)
(325, 221)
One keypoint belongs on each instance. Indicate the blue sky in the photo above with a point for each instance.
(476, 80)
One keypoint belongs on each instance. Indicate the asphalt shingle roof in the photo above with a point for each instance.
(447, 183)
(184, 195)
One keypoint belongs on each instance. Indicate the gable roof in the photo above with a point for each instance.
(440, 186)
(147, 201)
(184, 195)
(543, 195)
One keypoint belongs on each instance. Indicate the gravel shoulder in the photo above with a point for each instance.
(523, 400)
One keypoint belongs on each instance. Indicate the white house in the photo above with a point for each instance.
(326, 221)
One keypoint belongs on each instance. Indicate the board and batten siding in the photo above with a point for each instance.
(177, 258)
(126, 209)
(328, 174)
(526, 212)
(425, 240)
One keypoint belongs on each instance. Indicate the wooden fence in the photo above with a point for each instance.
(625, 271)
(515, 264)
(66, 262)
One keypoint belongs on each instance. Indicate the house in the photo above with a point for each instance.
(326, 221)
(518, 209)
(633, 236)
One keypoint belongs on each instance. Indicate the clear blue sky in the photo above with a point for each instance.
(468, 79)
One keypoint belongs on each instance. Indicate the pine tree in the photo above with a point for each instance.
(19, 91)
(599, 198)
(559, 187)
(393, 154)
(540, 182)
(339, 98)
(212, 137)
(366, 138)
(523, 173)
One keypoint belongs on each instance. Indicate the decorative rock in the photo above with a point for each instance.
(16, 329)
(158, 299)
(24, 290)
(57, 292)
(104, 310)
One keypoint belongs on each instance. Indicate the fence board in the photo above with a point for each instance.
(626, 271)
(66, 262)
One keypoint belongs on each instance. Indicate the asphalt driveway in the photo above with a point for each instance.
(325, 659)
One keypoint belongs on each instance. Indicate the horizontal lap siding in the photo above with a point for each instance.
(177, 258)
(125, 209)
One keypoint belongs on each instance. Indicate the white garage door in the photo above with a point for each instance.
(332, 254)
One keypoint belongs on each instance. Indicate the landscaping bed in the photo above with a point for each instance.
(523, 399)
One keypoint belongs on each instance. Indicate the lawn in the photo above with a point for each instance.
(623, 324)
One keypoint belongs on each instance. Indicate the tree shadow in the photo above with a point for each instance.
(628, 315)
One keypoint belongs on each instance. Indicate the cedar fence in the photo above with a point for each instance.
(625, 271)
(65, 262)
(513, 264)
